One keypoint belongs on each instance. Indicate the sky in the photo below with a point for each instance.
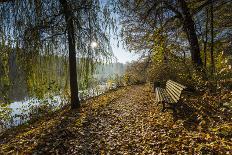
(122, 54)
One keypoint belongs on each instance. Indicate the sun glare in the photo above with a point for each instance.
(94, 44)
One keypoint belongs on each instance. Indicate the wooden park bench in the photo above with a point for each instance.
(170, 95)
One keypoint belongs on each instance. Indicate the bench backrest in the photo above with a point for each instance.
(174, 89)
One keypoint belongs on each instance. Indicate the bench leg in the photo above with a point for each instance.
(163, 106)
(172, 107)
(174, 110)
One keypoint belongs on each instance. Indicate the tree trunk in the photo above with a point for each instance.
(206, 38)
(75, 102)
(189, 28)
(212, 40)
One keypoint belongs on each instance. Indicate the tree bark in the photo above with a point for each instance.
(212, 39)
(206, 38)
(189, 28)
(75, 102)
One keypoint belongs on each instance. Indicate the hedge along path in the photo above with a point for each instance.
(125, 121)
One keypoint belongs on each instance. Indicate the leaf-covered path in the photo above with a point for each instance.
(124, 125)
(126, 121)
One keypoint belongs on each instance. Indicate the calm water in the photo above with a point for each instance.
(21, 111)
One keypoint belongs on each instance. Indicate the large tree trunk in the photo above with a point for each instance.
(75, 102)
(189, 28)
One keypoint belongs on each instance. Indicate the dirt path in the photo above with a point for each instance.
(126, 121)
(130, 124)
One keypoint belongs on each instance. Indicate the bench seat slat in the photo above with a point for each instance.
(162, 94)
(176, 90)
(168, 98)
(175, 87)
(177, 84)
(171, 93)
(157, 94)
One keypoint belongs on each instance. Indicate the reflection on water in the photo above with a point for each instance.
(20, 112)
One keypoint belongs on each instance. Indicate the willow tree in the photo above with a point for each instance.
(47, 27)
(75, 102)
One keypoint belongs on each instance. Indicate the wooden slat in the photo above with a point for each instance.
(157, 94)
(173, 89)
(161, 95)
(165, 96)
(177, 84)
(177, 88)
(173, 95)
(168, 97)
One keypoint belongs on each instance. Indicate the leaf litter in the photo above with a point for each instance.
(123, 121)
